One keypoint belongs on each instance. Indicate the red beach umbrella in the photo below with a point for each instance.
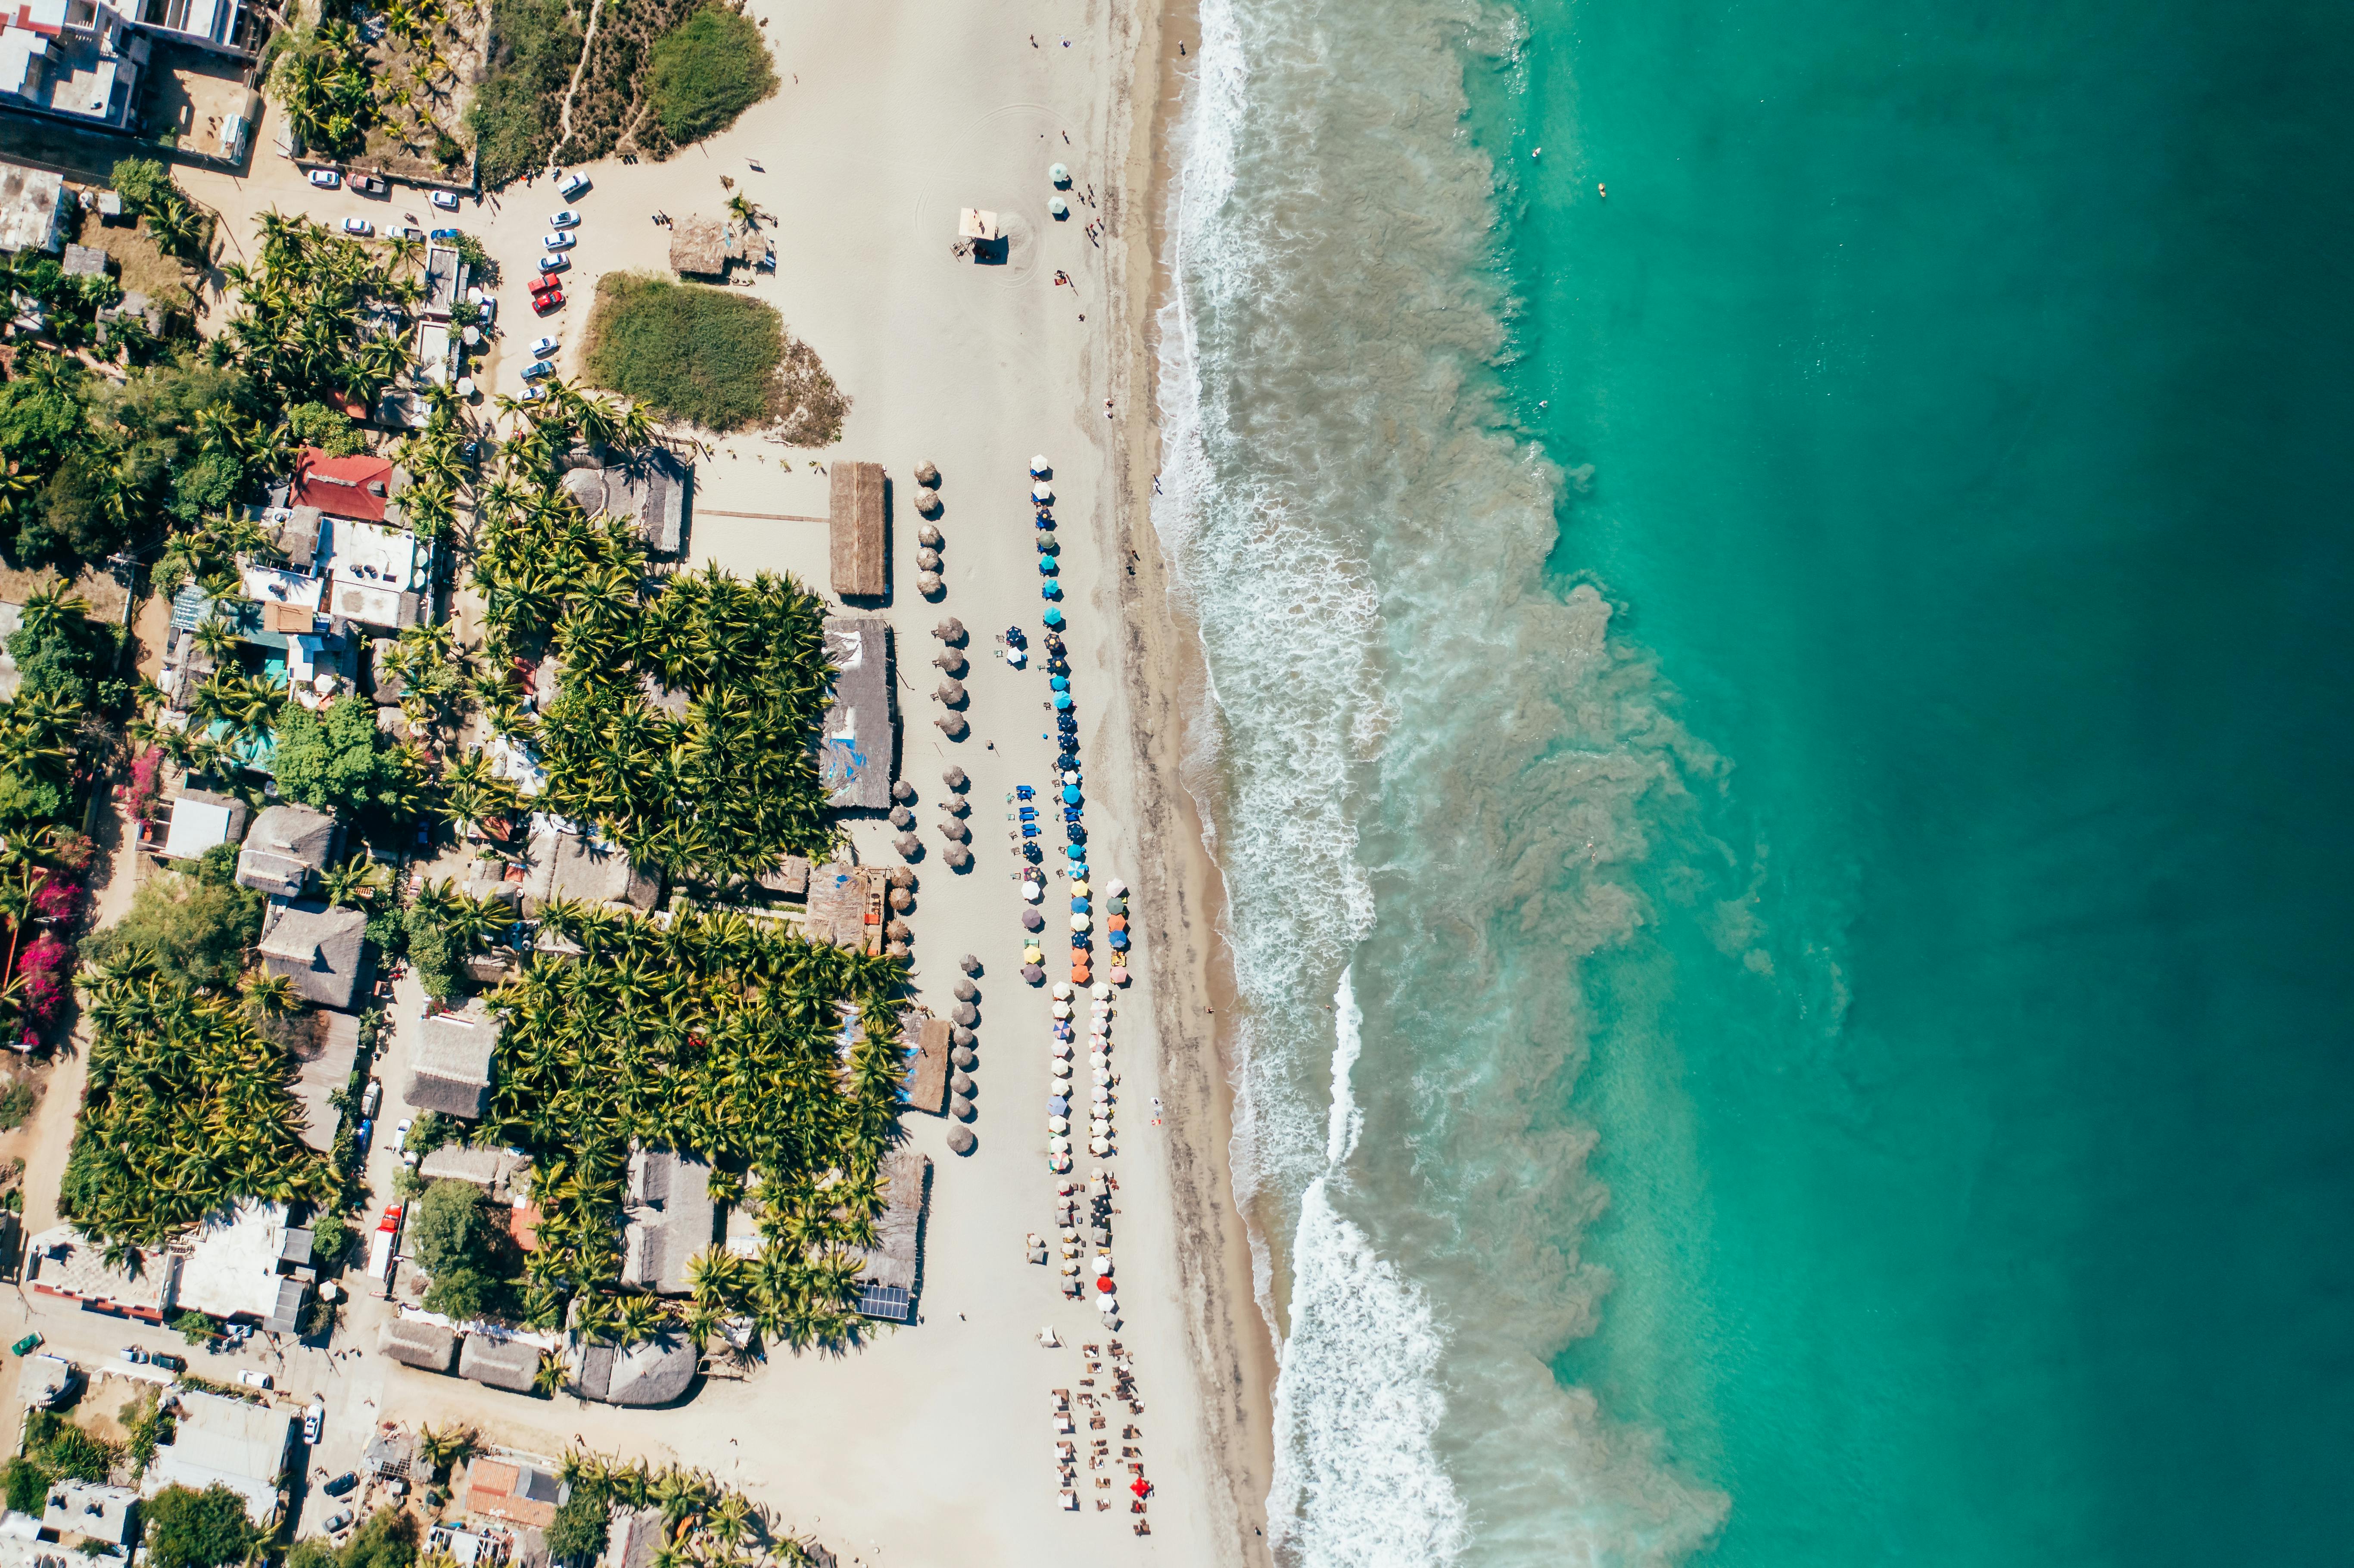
(1141, 1486)
(1103, 1283)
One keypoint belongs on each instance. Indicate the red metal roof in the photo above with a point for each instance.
(352, 487)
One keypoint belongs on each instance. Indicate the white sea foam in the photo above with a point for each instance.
(1357, 1484)
(1347, 1122)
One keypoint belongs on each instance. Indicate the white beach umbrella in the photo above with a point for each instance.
(1041, 491)
(1081, 921)
(1058, 1146)
(1040, 465)
(1102, 993)
(1062, 991)
(1058, 1125)
(1115, 887)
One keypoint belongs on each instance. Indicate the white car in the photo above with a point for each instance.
(572, 187)
(314, 1421)
(359, 226)
(255, 1380)
(556, 263)
(446, 200)
(408, 231)
(326, 179)
(567, 219)
(543, 346)
(559, 240)
(533, 394)
(400, 1133)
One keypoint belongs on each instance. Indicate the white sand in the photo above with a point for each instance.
(936, 1443)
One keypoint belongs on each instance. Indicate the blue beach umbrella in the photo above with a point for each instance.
(1062, 699)
(1078, 905)
(1051, 590)
(1070, 794)
(1048, 566)
(1119, 940)
(1076, 851)
(1053, 617)
(1057, 1106)
(1059, 683)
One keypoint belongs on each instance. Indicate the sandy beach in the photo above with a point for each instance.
(936, 1443)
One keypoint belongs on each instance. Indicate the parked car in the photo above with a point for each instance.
(572, 187)
(546, 300)
(341, 1523)
(169, 1361)
(533, 394)
(28, 1345)
(326, 179)
(567, 219)
(252, 1379)
(554, 263)
(134, 1355)
(341, 1484)
(371, 184)
(408, 231)
(559, 240)
(372, 1097)
(360, 227)
(538, 369)
(446, 200)
(490, 309)
(314, 1421)
(541, 347)
(445, 236)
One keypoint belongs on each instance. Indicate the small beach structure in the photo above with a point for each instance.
(888, 1287)
(854, 759)
(322, 947)
(702, 248)
(287, 845)
(669, 1218)
(451, 1068)
(414, 1343)
(928, 1073)
(861, 563)
(981, 232)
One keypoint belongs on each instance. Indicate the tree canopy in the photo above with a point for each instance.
(197, 1530)
(461, 1243)
(192, 931)
(337, 759)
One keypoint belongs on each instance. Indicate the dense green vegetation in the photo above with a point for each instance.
(52, 729)
(707, 1522)
(190, 930)
(463, 1245)
(708, 357)
(321, 78)
(197, 1530)
(711, 1036)
(534, 45)
(338, 759)
(386, 1539)
(187, 1112)
(707, 72)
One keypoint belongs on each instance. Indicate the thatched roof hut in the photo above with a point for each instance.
(701, 246)
(862, 567)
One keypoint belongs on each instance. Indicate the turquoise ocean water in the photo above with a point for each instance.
(1780, 743)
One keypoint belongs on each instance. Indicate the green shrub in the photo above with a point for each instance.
(330, 429)
(197, 932)
(16, 1106)
(139, 181)
(710, 356)
(197, 1530)
(536, 44)
(708, 72)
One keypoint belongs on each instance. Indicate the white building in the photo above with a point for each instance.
(78, 59)
(226, 1442)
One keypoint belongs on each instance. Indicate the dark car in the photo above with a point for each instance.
(167, 1360)
(341, 1484)
(443, 236)
(371, 184)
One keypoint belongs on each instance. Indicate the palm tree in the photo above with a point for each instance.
(443, 1447)
(743, 210)
(549, 1378)
(356, 881)
(270, 997)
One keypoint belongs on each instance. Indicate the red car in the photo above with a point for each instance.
(546, 300)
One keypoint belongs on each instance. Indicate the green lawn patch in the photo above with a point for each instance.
(708, 72)
(713, 357)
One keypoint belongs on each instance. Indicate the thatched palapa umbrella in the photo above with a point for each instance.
(956, 805)
(960, 1035)
(902, 790)
(902, 900)
(954, 779)
(957, 856)
(927, 502)
(949, 631)
(926, 474)
(960, 1140)
(950, 691)
(960, 1084)
(951, 724)
(964, 1014)
(897, 931)
(928, 537)
(908, 845)
(928, 560)
(964, 1057)
(967, 992)
(950, 660)
(902, 818)
(956, 833)
(929, 585)
(969, 964)
(961, 1109)
(900, 876)
(895, 951)
(1033, 921)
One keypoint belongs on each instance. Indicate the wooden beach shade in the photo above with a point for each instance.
(954, 779)
(977, 223)
(862, 568)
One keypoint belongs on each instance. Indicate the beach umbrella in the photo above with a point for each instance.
(902, 818)
(928, 560)
(928, 537)
(1050, 589)
(1062, 992)
(1058, 682)
(1045, 537)
(958, 857)
(1078, 905)
(967, 992)
(1107, 1304)
(900, 876)
(965, 1013)
(1030, 892)
(1081, 921)
(1039, 467)
(1103, 993)
(1119, 940)
(897, 931)
(960, 1035)
(1119, 975)
(959, 1085)
(1058, 1125)
(1041, 492)
(1057, 1106)
(1031, 920)
(1054, 205)
(969, 964)
(927, 503)
(901, 900)
(1053, 617)
(1140, 1486)
(902, 790)
(1033, 973)
(961, 1108)
(951, 724)
(1070, 794)
(954, 779)
(1058, 1146)
(949, 692)
(1059, 175)
(954, 830)
(1115, 889)
(949, 631)
(1115, 904)
(1079, 888)
(1048, 566)
(926, 473)
(960, 1140)
(895, 950)
(962, 1055)
(1062, 700)
(1104, 1284)
(930, 584)
(1031, 954)
(908, 845)
(465, 387)
(949, 661)
(1117, 922)
(1061, 1009)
